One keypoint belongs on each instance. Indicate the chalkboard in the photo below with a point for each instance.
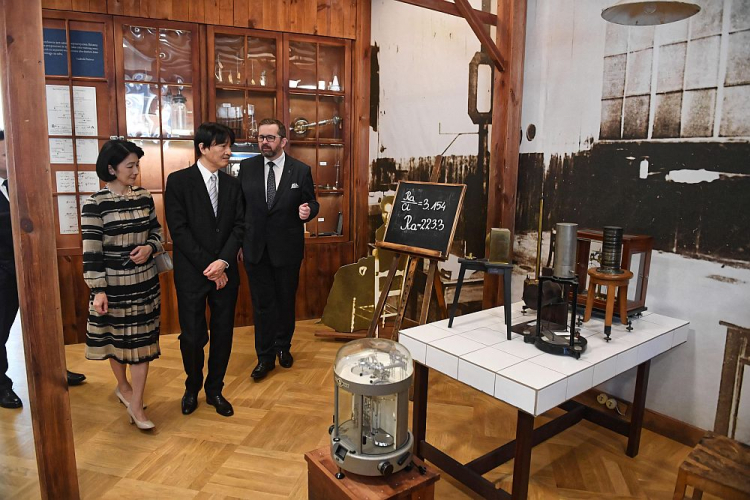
(423, 219)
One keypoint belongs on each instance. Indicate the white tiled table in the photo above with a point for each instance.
(475, 351)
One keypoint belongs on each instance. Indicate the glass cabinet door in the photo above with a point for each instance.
(80, 95)
(319, 126)
(160, 104)
(245, 83)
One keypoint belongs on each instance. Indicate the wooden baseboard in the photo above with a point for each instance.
(669, 427)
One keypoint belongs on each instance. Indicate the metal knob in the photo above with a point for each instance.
(385, 468)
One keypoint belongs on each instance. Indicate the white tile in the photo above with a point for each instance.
(457, 345)
(567, 365)
(535, 376)
(654, 347)
(579, 382)
(517, 347)
(467, 322)
(426, 333)
(551, 396)
(442, 361)
(604, 370)
(416, 348)
(665, 321)
(487, 336)
(491, 359)
(627, 360)
(477, 377)
(680, 336)
(515, 394)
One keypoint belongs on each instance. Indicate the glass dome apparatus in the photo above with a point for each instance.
(370, 435)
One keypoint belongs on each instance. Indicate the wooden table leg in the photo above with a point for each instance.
(589, 300)
(522, 463)
(609, 311)
(622, 295)
(457, 292)
(419, 415)
(639, 405)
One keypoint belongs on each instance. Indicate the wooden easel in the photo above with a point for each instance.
(433, 280)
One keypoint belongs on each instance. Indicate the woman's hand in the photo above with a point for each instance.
(140, 254)
(101, 305)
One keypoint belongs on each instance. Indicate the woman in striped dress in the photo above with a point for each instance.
(120, 235)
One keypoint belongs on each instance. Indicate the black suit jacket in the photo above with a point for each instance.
(280, 228)
(200, 237)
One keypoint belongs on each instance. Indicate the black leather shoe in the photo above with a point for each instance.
(9, 399)
(189, 403)
(75, 378)
(262, 370)
(223, 407)
(285, 358)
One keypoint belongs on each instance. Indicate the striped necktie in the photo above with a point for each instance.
(213, 193)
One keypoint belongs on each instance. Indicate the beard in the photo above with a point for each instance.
(269, 152)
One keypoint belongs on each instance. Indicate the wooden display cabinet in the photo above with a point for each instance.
(319, 118)
(159, 97)
(79, 74)
(245, 81)
(636, 257)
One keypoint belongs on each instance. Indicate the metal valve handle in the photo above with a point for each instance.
(301, 126)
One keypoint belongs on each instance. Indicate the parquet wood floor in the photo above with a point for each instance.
(258, 453)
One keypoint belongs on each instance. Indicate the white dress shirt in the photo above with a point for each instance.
(4, 189)
(206, 174)
(278, 169)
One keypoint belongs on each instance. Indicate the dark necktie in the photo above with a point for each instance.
(270, 185)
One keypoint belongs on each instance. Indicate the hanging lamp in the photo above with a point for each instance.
(649, 13)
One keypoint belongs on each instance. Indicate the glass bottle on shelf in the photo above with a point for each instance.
(179, 114)
(252, 124)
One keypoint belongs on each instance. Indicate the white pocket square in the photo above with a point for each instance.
(295, 185)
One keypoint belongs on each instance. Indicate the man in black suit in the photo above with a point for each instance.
(279, 199)
(204, 208)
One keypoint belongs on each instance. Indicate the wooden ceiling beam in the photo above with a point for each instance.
(451, 8)
(484, 38)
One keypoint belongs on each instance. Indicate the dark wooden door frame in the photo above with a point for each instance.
(33, 218)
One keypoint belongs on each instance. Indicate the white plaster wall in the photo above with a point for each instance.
(424, 79)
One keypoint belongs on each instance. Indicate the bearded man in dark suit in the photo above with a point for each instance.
(279, 199)
(204, 209)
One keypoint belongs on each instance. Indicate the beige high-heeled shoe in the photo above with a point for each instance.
(123, 400)
(144, 425)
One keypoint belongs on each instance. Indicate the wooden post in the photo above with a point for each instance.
(506, 126)
(23, 92)
(361, 57)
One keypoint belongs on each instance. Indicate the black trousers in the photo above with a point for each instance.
(273, 290)
(8, 311)
(195, 334)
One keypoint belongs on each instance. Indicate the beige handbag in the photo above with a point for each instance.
(163, 262)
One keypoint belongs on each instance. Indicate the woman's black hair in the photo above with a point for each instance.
(211, 133)
(112, 154)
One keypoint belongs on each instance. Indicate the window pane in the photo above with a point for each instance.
(671, 67)
(176, 55)
(614, 76)
(698, 113)
(139, 51)
(141, 110)
(667, 115)
(738, 64)
(639, 72)
(611, 119)
(702, 63)
(229, 68)
(302, 57)
(735, 113)
(261, 55)
(635, 125)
